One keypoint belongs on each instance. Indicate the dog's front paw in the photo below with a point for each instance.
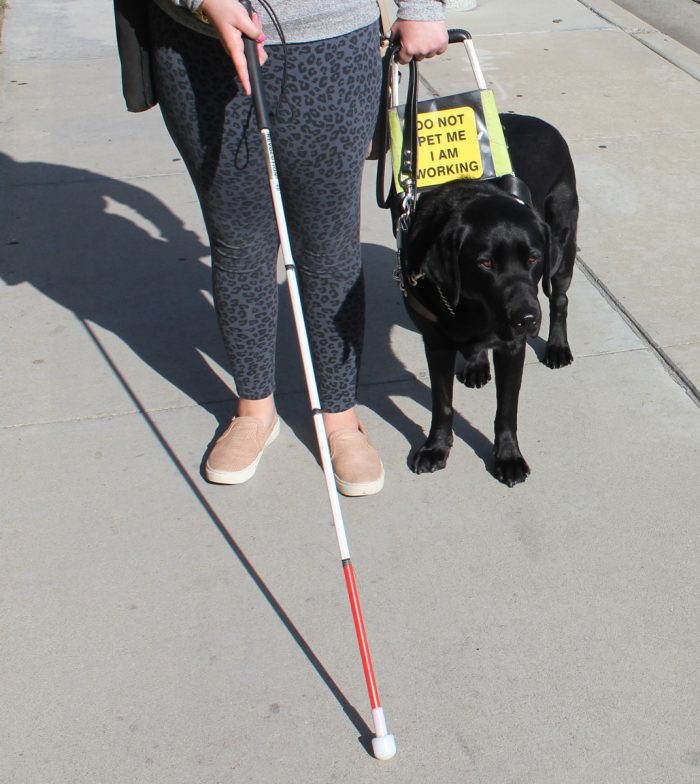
(511, 470)
(428, 459)
(557, 356)
(475, 374)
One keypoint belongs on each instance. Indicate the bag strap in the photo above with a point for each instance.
(131, 21)
(384, 20)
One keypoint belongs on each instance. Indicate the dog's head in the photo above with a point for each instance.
(477, 243)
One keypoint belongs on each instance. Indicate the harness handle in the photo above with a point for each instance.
(409, 147)
(384, 200)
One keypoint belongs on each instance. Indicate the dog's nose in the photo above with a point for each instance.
(526, 323)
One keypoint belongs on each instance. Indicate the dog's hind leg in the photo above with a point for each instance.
(562, 214)
(558, 353)
(476, 371)
(509, 464)
(433, 454)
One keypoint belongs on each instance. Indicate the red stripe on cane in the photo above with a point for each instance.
(361, 636)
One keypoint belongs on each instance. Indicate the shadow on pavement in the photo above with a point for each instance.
(386, 311)
(116, 256)
(147, 289)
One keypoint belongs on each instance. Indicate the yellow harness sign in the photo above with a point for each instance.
(448, 146)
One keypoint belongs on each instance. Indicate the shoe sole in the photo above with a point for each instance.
(359, 488)
(238, 477)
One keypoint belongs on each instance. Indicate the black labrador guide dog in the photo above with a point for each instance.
(474, 257)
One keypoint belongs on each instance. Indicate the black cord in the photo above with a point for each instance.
(240, 158)
(278, 27)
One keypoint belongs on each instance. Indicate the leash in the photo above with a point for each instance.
(403, 204)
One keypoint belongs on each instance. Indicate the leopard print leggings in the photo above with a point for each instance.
(320, 130)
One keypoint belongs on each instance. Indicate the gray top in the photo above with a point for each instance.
(311, 20)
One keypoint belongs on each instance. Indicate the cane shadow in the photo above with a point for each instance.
(116, 256)
(384, 372)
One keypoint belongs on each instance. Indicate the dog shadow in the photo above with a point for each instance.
(539, 346)
(385, 372)
(382, 372)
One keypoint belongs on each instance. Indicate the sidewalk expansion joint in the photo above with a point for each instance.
(97, 417)
(670, 366)
(651, 133)
(609, 27)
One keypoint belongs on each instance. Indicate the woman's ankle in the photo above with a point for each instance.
(343, 420)
(263, 409)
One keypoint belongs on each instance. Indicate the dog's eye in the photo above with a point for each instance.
(532, 260)
(486, 263)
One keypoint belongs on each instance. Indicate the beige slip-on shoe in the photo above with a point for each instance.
(237, 452)
(356, 464)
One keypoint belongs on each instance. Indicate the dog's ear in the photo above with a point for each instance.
(433, 251)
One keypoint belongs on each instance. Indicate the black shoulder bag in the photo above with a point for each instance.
(133, 44)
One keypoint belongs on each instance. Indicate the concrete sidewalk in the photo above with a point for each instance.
(159, 629)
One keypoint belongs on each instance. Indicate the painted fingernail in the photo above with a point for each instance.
(262, 38)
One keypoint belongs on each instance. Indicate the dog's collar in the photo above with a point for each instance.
(516, 188)
(416, 305)
(407, 282)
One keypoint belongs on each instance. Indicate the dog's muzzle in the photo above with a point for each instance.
(525, 319)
